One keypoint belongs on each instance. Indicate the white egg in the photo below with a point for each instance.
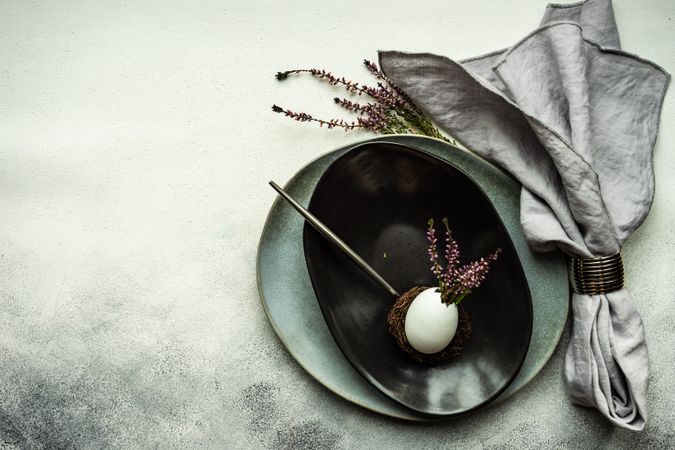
(430, 325)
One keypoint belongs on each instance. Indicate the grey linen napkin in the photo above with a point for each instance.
(574, 119)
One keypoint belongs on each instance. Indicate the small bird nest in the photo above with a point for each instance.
(396, 320)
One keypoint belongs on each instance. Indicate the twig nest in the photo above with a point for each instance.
(425, 328)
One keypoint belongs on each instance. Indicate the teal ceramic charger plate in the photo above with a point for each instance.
(293, 310)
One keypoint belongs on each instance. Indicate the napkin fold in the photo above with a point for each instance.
(573, 118)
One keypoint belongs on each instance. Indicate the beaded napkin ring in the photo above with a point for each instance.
(596, 275)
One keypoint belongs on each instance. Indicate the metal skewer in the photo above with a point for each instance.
(332, 237)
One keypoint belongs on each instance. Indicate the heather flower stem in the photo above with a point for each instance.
(456, 283)
(390, 110)
(420, 124)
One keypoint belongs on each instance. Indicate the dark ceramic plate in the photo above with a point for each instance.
(293, 310)
(378, 198)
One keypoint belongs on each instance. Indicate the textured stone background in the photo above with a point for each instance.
(136, 140)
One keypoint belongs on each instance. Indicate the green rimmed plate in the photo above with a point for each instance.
(293, 310)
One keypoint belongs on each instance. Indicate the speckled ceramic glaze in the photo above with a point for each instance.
(294, 312)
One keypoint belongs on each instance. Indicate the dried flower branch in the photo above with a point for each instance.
(304, 117)
(389, 110)
(456, 282)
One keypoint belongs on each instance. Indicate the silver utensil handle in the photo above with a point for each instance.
(333, 238)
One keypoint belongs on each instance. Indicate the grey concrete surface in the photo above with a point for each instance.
(136, 140)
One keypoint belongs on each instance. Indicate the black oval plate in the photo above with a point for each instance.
(378, 198)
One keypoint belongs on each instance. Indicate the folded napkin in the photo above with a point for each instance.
(574, 119)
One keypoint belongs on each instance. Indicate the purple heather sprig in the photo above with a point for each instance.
(433, 251)
(304, 117)
(388, 111)
(451, 255)
(456, 282)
